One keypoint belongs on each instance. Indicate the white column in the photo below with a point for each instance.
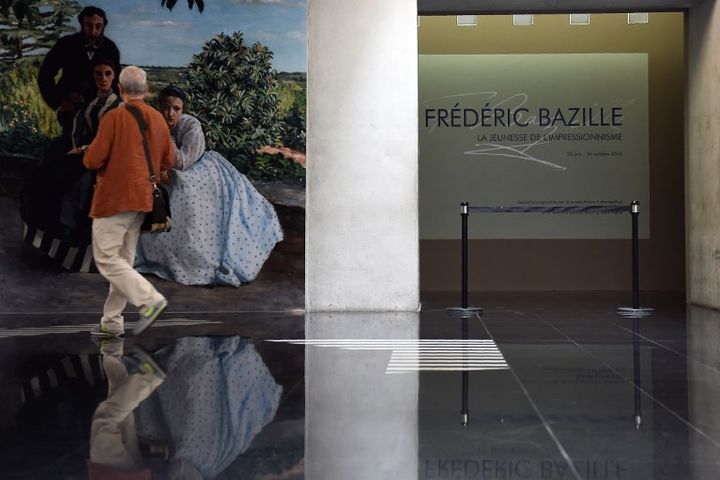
(702, 157)
(361, 232)
(360, 423)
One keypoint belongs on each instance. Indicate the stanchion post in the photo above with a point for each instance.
(636, 371)
(464, 413)
(635, 311)
(464, 311)
(464, 212)
(635, 213)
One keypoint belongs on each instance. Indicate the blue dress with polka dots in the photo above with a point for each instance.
(223, 228)
(217, 396)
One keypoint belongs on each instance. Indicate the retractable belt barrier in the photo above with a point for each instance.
(552, 209)
(634, 209)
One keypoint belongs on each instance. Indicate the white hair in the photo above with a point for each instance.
(133, 80)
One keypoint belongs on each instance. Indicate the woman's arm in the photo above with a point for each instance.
(98, 152)
(189, 142)
(287, 152)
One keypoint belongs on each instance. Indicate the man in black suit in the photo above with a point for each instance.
(73, 54)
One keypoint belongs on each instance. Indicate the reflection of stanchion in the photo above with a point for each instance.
(464, 413)
(636, 372)
(635, 311)
(464, 311)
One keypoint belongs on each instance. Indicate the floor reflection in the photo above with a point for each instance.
(114, 444)
(188, 409)
(526, 391)
(199, 402)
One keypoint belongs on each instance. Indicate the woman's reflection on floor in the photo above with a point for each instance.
(217, 395)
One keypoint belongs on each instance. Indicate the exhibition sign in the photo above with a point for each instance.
(533, 130)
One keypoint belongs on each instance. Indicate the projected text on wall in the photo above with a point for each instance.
(533, 130)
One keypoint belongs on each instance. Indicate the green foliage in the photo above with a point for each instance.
(286, 97)
(264, 168)
(294, 133)
(23, 138)
(26, 122)
(233, 92)
(292, 106)
(31, 27)
(161, 77)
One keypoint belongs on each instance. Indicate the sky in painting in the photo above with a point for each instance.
(150, 35)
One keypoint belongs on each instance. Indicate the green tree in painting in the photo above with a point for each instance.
(26, 123)
(171, 3)
(28, 28)
(233, 92)
(294, 132)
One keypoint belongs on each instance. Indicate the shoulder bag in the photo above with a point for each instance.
(159, 219)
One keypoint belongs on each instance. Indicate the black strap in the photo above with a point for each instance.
(143, 128)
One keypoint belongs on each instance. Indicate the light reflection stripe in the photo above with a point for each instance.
(401, 372)
(413, 355)
(389, 341)
(68, 329)
(469, 364)
(449, 359)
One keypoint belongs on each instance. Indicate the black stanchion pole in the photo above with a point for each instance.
(636, 371)
(464, 311)
(464, 218)
(635, 213)
(635, 311)
(464, 413)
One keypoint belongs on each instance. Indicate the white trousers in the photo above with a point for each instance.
(113, 437)
(114, 240)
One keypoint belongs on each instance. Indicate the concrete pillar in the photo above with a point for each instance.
(360, 423)
(703, 327)
(702, 175)
(361, 233)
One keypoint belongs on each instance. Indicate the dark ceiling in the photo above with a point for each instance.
(479, 7)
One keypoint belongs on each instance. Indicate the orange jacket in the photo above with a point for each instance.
(123, 180)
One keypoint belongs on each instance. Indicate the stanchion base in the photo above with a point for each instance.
(469, 312)
(630, 312)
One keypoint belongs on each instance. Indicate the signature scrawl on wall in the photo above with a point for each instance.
(517, 151)
(513, 102)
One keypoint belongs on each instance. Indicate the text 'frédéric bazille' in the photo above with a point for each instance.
(523, 117)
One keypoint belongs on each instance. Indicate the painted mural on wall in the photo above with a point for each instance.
(241, 62)
(533, 130)
(228, 77)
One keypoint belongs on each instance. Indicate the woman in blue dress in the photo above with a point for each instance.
(218, 395)
(223, 229)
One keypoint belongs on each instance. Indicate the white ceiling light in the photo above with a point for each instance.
(523, 20)
(466, 20)
(638, 17)
(579, 19)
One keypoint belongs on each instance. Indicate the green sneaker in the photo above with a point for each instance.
(102, 331)
(148, 315)
(112, 346)
(145, 363)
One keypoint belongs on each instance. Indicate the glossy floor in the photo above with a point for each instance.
(539, 387)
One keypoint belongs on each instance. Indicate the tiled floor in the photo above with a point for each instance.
(549, 386)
